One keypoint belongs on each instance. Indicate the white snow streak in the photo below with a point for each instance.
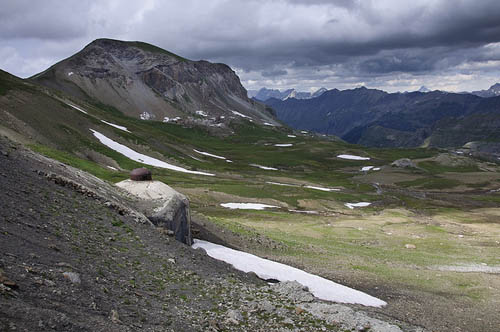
(283, 145)
(242, 115)
(209, 154)
(264, 167)
(139, 157)
(266, 269)
(116, 126)
(366, 168)
(360, 204)
(247, 206)
(323, 189)
(291, 136)
(352, 157)
(76, 108)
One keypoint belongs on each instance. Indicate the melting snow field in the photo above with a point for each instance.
(209, 154)
(283, 145)
(352, 157)
(320, 287)
(116, 126)
(354, 205)
(139, 157)
(264, 167)
(247, 206)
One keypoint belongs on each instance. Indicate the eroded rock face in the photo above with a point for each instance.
(164, 206)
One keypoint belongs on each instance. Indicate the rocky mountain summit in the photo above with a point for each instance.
(150, 83)
(493, 91)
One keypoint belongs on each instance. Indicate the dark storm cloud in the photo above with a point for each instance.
(322, 41)
(47, 19)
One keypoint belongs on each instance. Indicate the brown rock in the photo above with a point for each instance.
(140, 174)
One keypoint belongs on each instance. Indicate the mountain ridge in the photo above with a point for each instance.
(377, 118)
(143, 80)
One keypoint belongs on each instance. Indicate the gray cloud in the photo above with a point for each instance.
(389, 44)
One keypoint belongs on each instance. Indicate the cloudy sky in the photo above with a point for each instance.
(394, 45)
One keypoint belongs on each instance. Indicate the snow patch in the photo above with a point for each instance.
(139, 157)
(76, 108)
(242, 115)
(111, 167)
(282, 184)
(269, 124)
(291, 136)
(209, 154)
(283, 145)
(322, 189)
(354, 205)
(266, 269)
(366, 168)
(264, 167)
(116, 126)
(70, 73)
(202, 113)
(247, 206)
(376, 169)
(352, 157)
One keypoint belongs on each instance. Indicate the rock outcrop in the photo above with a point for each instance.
(163, 206)
(403, 163)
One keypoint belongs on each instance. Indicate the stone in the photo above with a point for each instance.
(403, 163)
(115, 318)
(163, 206)
(234, 317)
(140, 174)
(293, 290)
(73, 277)
(299, 310)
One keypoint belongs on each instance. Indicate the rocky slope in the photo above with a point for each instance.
(74, 259)
(145, 81)
(377, 118)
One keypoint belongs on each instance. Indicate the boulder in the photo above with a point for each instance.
(164, 206)
(404, 163)
(141, 174)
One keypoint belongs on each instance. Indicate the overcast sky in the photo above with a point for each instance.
(394, 45)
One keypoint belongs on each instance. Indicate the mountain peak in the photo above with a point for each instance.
(145, 81)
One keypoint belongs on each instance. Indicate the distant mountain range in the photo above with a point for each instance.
(376, 118)
(265, 94)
